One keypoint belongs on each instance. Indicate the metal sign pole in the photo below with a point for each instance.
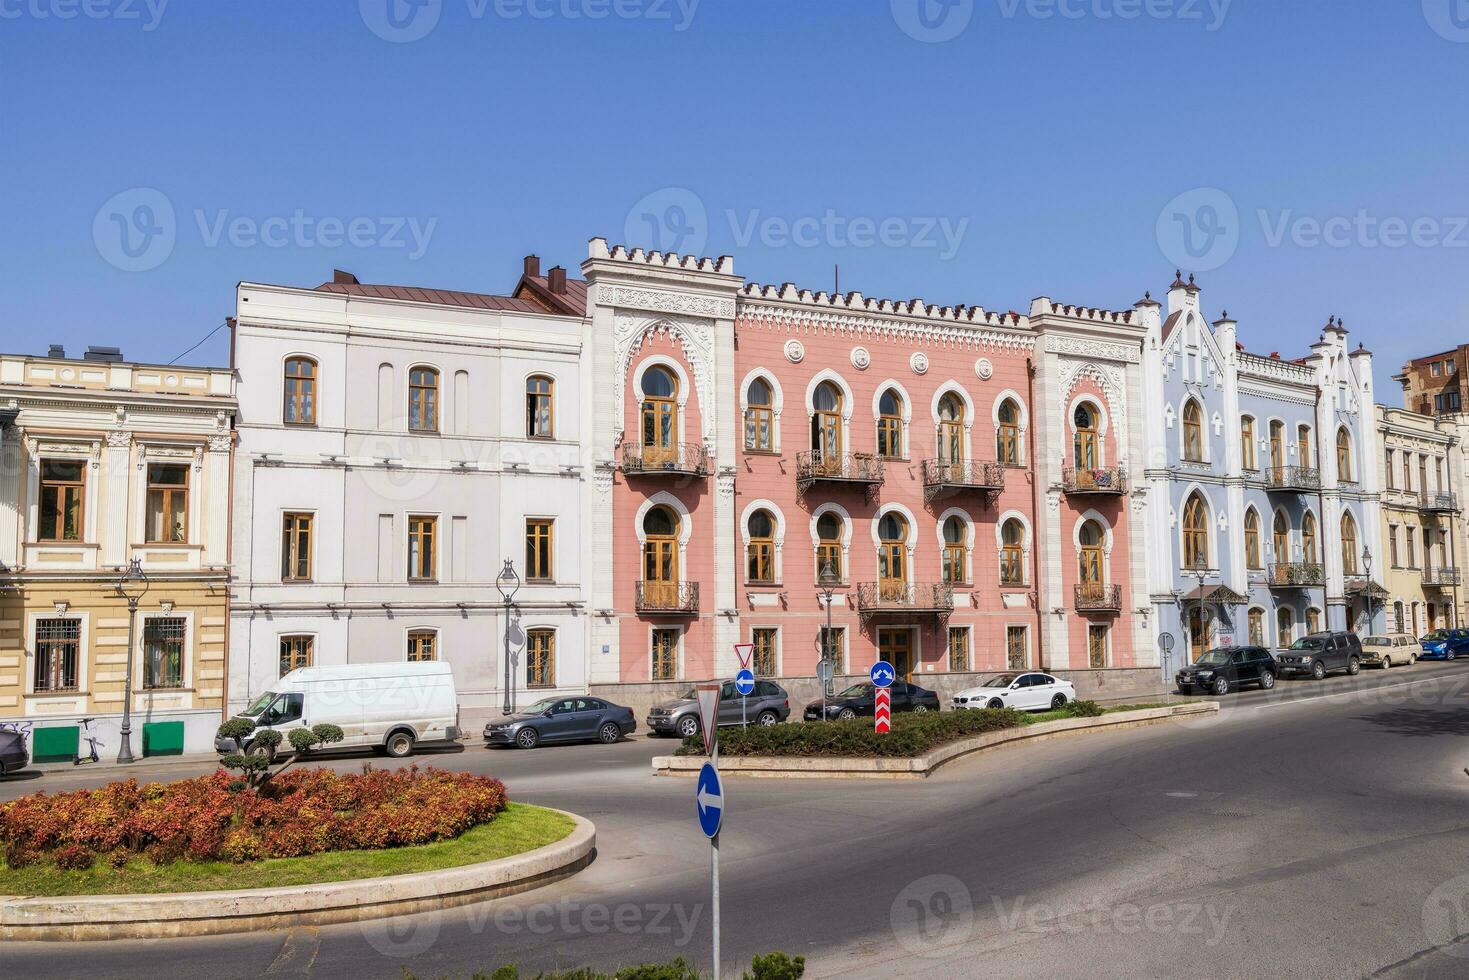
(714, 877)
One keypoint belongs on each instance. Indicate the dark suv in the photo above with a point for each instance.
(1222, 670)
(1319, 654)
(767, 704)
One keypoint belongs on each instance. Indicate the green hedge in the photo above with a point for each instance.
(771, 966)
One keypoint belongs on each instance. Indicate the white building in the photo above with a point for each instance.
(396, 446)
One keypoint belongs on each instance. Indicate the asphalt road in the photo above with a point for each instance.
(1320, 830)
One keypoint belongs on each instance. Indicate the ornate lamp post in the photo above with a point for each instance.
(132, 585)
(508, 582)
(1201, 573)
(1367, 568)
(827, 581)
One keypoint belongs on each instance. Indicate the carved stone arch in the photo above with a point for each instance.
(695, 336)
(1114, 389)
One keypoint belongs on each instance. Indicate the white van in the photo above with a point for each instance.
(390, 706)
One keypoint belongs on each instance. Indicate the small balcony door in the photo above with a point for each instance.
(826, 426)
(895, 645)
(660, 558)
(892, 558)
(660, 417)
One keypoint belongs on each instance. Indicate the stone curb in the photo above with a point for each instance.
(920, 767)
(98, 917)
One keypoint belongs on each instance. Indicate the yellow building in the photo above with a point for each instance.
(102, 463)
(1420, 515)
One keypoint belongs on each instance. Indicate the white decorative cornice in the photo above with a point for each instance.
(661, 301)
(694, 336)
(1093, 349)
(1275, 369)
(985, 334)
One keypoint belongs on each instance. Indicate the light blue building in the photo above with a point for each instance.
(1262, 501)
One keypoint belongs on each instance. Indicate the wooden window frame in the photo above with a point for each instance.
(421, 641)
(533, 400)
(296, 650)
(1007, 436)
(1193, 432)
(299, 398)
(428, 396)
(960, 666)
(673, 634)
(540, 658)
(297, 526)
(423, 529)
(760, 417)
(167, 491)
(1105, 632)
(150, 632)
(1012, 649)
(60, 489)
(1253, 555)
(1247, 443)
(539, 531)
(1012, 556)
(766, 640)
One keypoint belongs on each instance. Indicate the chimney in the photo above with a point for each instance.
(56, 350)
(532, 265)
(344, 277)
(108, 354)
(556, 280)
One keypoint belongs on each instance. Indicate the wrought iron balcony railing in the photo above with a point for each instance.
(1438, 503)
(854, 469)
(1106, 480)
(1297, 575)
(1293, 479)
(943, 477)
(896, 596)
(1442, 577)
(683, 459)
(673, 598)
(1096, 597)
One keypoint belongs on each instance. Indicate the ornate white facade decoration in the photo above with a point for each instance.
(1114, 387)
(861, 358)
(1092, 349)
(658, 301)
(983, 369)
(919, 362)
(694, 336)
(795, 351)
(121, 439)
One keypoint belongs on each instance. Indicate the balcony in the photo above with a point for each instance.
(1296, 575)
(1438, 503)
(943, 478)
(684, 459)
(1442, 577)
(905, 599)
(668, 598)
(1109, 481)
(856, 470)
(1292, 479)
(1094, 597)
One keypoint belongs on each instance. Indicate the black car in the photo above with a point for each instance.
(1319, 654)
(859, 699)
(13, 753)
(1221, 671)
(577, 719)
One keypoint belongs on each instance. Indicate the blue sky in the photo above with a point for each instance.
(1304, 157)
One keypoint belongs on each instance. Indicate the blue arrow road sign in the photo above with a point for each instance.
(882, 674)
(709, 800)
(745, 681)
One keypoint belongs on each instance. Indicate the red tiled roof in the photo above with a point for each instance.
(442, 297)
(573, 302)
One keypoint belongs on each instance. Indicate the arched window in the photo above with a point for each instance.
(1305, 455)
(540, 422)
(1257, 627)
(1313, 620)
(1084, 445)
(951, 429)
(660, 416)
(660, 558)
(1091, 538)
(826, 424)
(829, 546)
(1285, 622)
(1308, 538)
(1397, 615)
(1252, 539)
(759, 417)
(956, 570)
(892, 555)
(1012, 553)
(760, 552)
(423, 399)
(1193, 432)
(1343, 456)
(1348, 545)
(1277, 448)
(1195, 532)
(1247, 442)
(300, 407)
(1007, 437)
(890, 425)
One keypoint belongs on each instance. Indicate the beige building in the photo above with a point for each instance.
(1420, 468)
(103, 462)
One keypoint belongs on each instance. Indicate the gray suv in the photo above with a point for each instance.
(767, 704)
(1318, 654)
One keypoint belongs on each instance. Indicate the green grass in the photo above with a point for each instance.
(518, 829)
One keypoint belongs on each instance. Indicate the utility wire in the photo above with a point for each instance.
(201, 343)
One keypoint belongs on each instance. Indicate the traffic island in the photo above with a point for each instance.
(856, 752)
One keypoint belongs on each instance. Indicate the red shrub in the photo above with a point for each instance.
(303, 811)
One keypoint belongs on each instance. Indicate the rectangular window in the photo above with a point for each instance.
(1096, 646)
(760, 561)
(296, 547)
(1392, 545)
(58, 646)
(890, 437)
(959, 649)
(423, 400)
(540, 658)
(423, 535)
(300, 390)
(168, 503)
(1017, 653)
(759, 426)
(63, 493)
(538, 551)
(1392, 483)
(1247, 442)
(1257, 627)
(1436, 368)
(422, 645)
(163, 653)
(834, 646)
(829, 553)
(763, 662)
(296, 651)
(1412, 549)
(665, 654)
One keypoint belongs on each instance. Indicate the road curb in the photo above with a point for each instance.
(920, 767)
(101, 917)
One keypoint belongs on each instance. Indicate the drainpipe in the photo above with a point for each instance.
(1321, 510)
(1035, 510)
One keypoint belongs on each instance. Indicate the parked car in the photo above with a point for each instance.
(1319, 654)
(390, 707)
(577, 719)
(13, 754)
(1444, 644)
(766, 705)
(1226, 668)
(1386, 649)
(859, 700)
(1024, 692)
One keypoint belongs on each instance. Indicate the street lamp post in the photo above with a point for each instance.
(828, 581)
(132, 585)
(508, 582)
(1367, 568)
(1201, 574)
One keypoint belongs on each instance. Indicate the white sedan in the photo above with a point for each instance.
(1023, 692)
